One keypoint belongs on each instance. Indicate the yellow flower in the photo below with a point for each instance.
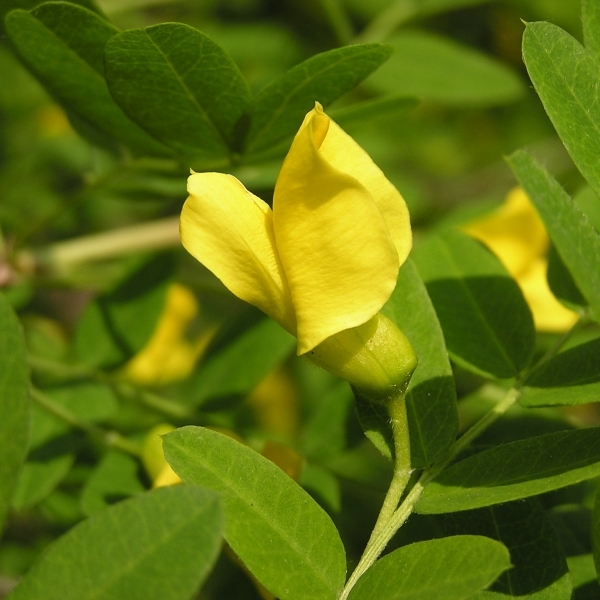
(326, 258)
(516, 234)
(169, 356)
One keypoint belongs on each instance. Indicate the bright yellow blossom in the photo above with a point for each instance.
(325, 259)
(516, 234)
(169, 356)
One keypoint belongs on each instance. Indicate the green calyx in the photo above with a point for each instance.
(376, 358)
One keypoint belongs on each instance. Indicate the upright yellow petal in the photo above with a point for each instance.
(514, 233)
(344, 154)
(340, 261)
(230, 231)
(548, 313)
(517, 236)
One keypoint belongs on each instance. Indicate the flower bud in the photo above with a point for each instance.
(376, 358)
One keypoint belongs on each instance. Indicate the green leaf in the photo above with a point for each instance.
(364, 112)
(157, 545)
(584, 577)
(243, 364)
(431, 396)
(561, 70)
(561, 282)
(596, 529)
(115, 478)
(91, 402)
(179, 85)
(323, 485)
(40, 475)
(7, 5)
(277, 110)
(409, 10)
(62, 44)
(428, 66)
(487, 324)
(589, 204)
(575, 239)
(590, 16)
(15, 406)
(571, 377)
(451, 568)
(539, 567)
(271, 522)
(324, 433)
(119, 323)
(513, 471)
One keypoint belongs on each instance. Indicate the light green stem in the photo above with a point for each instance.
(402, 472)
(387, 21)
(402, 467)
(124, 388)
(380, 538)
(338, 19)
(112, 439)
(59, 258)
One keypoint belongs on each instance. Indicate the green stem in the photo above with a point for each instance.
(59, 258)
(154, 401)
(402, 466)
(387, 21)
(77, 372)
(386, 531)
(402, 472)
(112, 439)
(338, 19)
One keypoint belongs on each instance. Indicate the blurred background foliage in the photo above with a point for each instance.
(461, 62)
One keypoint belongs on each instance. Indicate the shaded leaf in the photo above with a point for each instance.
(62, 44)
(570, 377)
(324, 433)
(429, 66)
(539, 567)
(596, 529)
(179, 85)
(278, 109)
(14, 407)
(243, 364)
(89, 401)
(431, 396)
(157, 545)
(574, 237)
(119, 323)
(40, 476)
(368, 110)
(561, 282)
(115, 478)
(451, 568)
(517, 470)
(271, 522)
(487, 324)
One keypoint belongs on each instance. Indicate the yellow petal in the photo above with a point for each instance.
(230, 231)
(514, 233)
(548, 313)
(166, 478)
(153, 458)
(167, 356)
(344, 154)
(340, 261)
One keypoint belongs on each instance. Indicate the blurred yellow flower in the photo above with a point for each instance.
(516, 234)
(326, 258)
(275, 404)
(169, 356)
